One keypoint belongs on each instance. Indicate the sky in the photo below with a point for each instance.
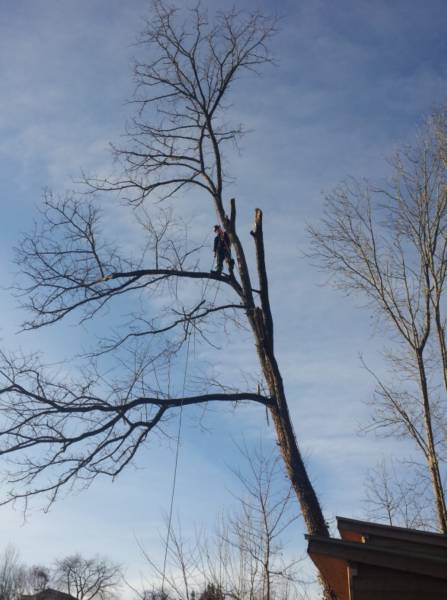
(352, 80)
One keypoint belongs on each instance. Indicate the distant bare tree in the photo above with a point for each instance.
(13, 575)
(245, 558)
(38, 578)
(256, 529)
(390, 245)
(87, 578)
(392, 498)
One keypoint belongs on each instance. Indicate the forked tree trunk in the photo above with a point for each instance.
(261, 322)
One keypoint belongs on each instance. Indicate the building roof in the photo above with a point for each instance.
(48, 594)
(372, 554)
(355, 530)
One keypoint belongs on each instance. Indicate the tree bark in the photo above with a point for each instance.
(432, 457)
(261, 322)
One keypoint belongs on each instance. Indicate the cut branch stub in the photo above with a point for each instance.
(258, 236)
(233, 213)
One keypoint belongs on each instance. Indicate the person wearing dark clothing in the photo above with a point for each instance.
(222, 250)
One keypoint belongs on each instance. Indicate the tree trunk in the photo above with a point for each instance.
(432, 457)
(441, 338)
(261, 322)
(262, 325)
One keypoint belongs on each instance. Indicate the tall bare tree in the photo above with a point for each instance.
(390, 245)
(94, 424)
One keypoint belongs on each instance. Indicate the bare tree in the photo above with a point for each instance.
(391, 246)
(396, 497)
(258, 526)
(13, 575)
(246, 558)
(65, 431)
(87, 578)
(38, 578)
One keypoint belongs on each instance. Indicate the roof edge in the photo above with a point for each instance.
(391, 531)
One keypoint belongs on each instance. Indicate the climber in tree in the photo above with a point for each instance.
(222, 250)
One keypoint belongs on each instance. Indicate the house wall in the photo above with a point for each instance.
(374, 583)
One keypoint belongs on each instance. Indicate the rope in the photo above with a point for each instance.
(177, 451)
(205, 289)
(174, 477)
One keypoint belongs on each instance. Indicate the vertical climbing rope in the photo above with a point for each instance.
(177, 450)
(174, 477)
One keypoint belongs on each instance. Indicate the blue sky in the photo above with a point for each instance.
(352, 80)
